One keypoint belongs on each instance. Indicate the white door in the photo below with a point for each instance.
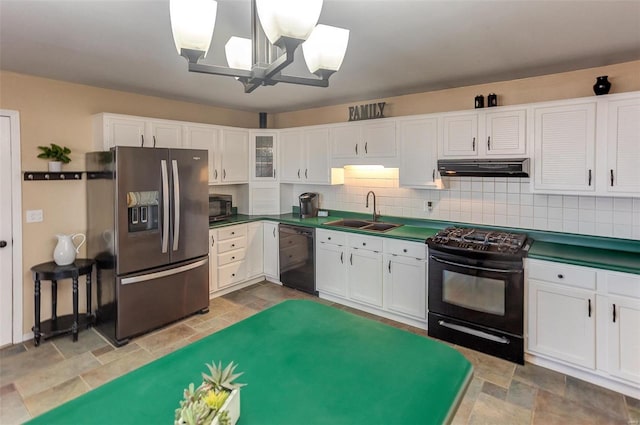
(460, 136)
(331, 273)
(316, 143)
(419, 152)
(235, 156)
(623, 316)
(6, 270)
(365, 276)
(405, 286)
(505, 133)
(562, 323)
(290, 156)
(126, 132)
(346, 141)
(165, 135)
(205, 138)
(270, 234)
(623, 146)
(564, 140)
(379, 139)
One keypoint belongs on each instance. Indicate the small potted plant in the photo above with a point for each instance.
(57, 155)
(216, 401)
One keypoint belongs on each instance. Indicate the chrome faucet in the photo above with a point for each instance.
(375, 216)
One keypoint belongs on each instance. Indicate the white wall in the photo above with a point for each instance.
(483, 200)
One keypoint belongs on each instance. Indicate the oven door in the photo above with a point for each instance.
(486, 292)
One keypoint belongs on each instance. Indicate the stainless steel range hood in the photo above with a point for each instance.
(513, 167)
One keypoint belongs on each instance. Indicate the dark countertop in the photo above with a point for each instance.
(621, 255)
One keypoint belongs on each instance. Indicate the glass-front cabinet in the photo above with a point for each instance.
(264, 155)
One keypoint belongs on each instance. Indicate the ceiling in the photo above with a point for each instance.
(396, 46)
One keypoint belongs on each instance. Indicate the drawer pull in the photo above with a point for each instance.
(560, 276)
(233, 233)
(364, 244)
(329, 238)
(233, 258)
(233, 275)
(233, 245)
(404, 250)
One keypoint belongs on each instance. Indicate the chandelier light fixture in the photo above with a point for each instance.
(278, 28)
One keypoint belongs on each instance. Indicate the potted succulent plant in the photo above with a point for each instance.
(57, 155)
(216, 401)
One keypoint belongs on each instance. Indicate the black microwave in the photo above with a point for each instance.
(219, 207)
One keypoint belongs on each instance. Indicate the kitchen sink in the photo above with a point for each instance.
(373, 226)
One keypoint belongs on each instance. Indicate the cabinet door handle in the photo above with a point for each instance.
(306, 175)
(389, 267)
(142, 140)
(433, 175)
(488, 143)
(215, 174)
(614, 313)
(589, 177)
(611, 177)
(212, 240)
(589, 307)
(224, 174)
(365, 147)
(274, 232)
(274, 173)
(356, 149)
(473, 144)
(342, 257)
(154, 141)
(298, 173)
(351, 259)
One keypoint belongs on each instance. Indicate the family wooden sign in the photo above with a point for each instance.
(366, 112)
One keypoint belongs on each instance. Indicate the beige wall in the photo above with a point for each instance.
(624, 77)
(60, 112)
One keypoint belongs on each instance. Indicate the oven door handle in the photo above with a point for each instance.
(474, 332)
(486, 269)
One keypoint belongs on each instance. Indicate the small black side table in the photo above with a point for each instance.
(63, 324)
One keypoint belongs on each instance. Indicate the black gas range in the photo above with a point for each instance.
(476, 289)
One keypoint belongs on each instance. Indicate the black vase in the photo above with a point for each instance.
(602, 85)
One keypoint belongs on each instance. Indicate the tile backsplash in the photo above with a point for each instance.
(496, 201)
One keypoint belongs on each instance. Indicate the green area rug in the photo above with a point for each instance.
(303, 363)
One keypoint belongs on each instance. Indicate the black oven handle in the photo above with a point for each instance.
(466, 266)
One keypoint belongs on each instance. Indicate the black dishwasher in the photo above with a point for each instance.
(297, 258)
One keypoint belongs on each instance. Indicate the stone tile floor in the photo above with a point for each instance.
(34, 380)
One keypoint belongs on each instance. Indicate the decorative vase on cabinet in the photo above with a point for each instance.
(602, 85)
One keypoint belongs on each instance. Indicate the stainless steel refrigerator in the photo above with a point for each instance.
(147, 219)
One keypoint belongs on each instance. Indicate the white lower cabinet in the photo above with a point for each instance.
(588, 319)
(352, 269)
(255, 247)
(562, 322)
(270, 247)
(365, 276)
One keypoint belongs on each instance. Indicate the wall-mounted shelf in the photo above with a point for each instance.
(43, 175)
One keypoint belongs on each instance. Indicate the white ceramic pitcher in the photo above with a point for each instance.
(65, 251)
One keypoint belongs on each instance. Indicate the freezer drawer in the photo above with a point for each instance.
(153, 299)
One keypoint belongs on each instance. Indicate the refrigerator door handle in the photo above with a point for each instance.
(164, 273)
(165, 205)
(176, 203)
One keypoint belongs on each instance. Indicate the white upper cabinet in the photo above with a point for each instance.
(264, 154)
(304, 157)
(234, 151)
(118, 130)
(505, 133)
(363, 142)
(419, 152)
(564, 147)
(460, 135)
(165, 134)
(496, 132)
(205, 137)
(623, 146)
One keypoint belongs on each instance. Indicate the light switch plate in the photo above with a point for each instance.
(323, 213)
(34, 216)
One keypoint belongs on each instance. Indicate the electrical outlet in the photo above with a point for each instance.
(34, 216)
(428, 206)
